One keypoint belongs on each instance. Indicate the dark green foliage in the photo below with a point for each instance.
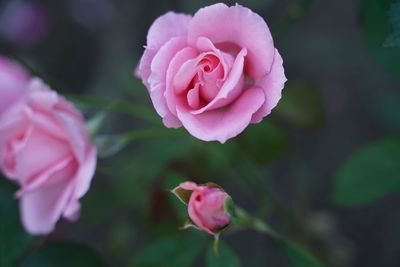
(393, 39)
(226, 257)
(370, 174)
(375, 25)
(63, 255)
(14, 241)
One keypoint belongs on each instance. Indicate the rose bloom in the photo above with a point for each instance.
(206, 206)
(44, 147)
(213, 73)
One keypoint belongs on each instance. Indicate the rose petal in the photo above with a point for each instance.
(77, 134)
(176, 63)
(222, 124)
(157, 79)
(166, 27)
(193, 97)
(29, 166)
(144, 68)
(189, 186)
(212, 210)
(40, 95)
(82, 180)
(42, 178)
(85, 173)
(194, 212)
(232, 87)
(162, 30)
(240, 26)
(272, 85)
(13, 79)
(41, 208)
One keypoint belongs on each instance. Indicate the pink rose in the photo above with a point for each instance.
(45, 148)
(213, 73)
(206, 206)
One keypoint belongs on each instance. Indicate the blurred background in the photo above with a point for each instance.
(323, 169)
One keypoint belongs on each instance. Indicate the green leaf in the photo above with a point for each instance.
(174, 250)
(369, 174)
(109, 145)
(95, 123)
(63, 255)
(14, 241)
(298, 257)
(263, 142)
(226, 257)
(387, 110)
(123, 106)
(301, 105)
(393, 40)
(375, 25)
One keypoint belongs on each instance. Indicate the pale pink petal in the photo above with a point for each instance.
(226, 59)
(41, 208)
(82, 182)
(232, 87)
(46, 150)
(144, 68)
(193, 97)
(157, 79)
(185, 74)
(171, 121)
(13, 81)
(40, 95)
(212, 208)
(73, 210)
(194, 212)
(272, 85)
(222, 124)
(77, 134)
(161, 31)
(190, 186)
(239, 26)
(86, 172)
(15, 127)
(166, 27)
(47, 122)
(180, 58)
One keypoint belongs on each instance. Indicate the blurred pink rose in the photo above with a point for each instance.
(45, 148)
(206, 206)
(213, 73)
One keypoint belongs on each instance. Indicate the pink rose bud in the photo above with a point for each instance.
(213, 73)
(46, 149)
(207, 205)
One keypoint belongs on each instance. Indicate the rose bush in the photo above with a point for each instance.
(213, 73)
(45, 148)
(206, 206)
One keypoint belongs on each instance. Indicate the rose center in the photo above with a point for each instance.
(199, 80)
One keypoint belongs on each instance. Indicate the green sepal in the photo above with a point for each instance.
(182, 194)
(229, 206)
(216, 244)
(212, 185)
